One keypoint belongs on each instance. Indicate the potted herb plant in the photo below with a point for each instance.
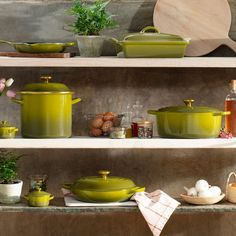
(90, 20)
(10, 187)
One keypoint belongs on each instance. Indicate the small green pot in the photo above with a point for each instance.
(38, 198)
(188, 121)
(6, 130)
(103, 188)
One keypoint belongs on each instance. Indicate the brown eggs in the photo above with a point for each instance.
(101, 124)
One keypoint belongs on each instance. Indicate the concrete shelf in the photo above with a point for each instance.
(186, 62)
(107, 143)
(57, 206)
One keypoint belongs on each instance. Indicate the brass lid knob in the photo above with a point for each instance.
(104, 173)
(188, 102)
(45, 79)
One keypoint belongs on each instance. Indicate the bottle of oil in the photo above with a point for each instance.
(230, 105)
(137, 110)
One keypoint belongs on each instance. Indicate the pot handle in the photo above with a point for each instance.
(137, 189)
(76, 100)
(18, 101)
(222, 113)
(26, 197)
(144, 30)
(69, 44)
(51, 197)
(67, 185)
(152, 112)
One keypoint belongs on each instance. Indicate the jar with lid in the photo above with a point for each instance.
(137, 109)
(145, 129)
(230, 105)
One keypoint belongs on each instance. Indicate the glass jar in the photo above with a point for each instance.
(118, 133)
(38, 181)
(145, 129)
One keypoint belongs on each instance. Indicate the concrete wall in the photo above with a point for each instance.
(112, 89)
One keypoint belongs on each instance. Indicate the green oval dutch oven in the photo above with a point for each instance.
(46, 110)
(103, 188)
(188, 121)
(38, 198)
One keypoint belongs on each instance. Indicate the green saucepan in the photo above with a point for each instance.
(103, 188)
(38, 47)
(188, 121)
(46, 110)
(152, 44)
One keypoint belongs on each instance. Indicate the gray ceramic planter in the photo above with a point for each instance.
(90, 46)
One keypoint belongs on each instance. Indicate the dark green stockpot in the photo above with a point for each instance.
(103, 188)
(188, 121)
(46, 110)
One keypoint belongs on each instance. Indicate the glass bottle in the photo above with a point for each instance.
(230, 105)
(137, 109)
(126, 122)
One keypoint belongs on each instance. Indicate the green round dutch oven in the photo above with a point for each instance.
(46, 110)
(103, 188)
(188, 121)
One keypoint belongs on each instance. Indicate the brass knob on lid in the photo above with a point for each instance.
(45, 79)
(188, 102)
(104, 173)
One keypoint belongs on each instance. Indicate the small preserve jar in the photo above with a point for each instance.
(145, 129)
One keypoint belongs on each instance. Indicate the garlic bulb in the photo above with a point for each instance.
(191, 191)
(205, 193)
(215, 191)
(201, 185)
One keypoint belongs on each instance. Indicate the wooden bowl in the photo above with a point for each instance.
(202, 200)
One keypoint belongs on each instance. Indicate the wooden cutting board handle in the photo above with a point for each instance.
(230, 43)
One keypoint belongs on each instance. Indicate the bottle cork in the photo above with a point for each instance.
(233, 84)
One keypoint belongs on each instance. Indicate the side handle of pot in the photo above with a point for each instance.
(26, 197)
(118, 44)
(76, 100)
(222, 113)
(152, 112)
(51, 197)
(18, 101)
(67, 185)
(136, 190)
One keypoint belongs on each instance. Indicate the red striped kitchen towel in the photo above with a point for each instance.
(156, 208)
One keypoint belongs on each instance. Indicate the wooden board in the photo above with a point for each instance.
(38, 55)
(206, 22)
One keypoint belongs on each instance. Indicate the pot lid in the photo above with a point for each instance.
(104, 182)
(189, 108)
(45, 86)
(5, 124)
(38, 193)
(145, 35)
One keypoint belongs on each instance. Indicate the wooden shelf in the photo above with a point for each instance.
(107, 143)
(57, 206)
(187, 62)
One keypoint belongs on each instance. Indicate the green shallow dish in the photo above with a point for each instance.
(153, 44)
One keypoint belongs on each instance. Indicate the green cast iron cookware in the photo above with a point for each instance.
(31, 47)
(46, 110)
(103, 188)
(38, 198)
(188, 121)
(152, 44)
(7, 130)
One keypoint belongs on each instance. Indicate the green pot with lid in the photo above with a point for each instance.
(38, 198)
(149, 42)
(7, 130)
(188, 121)
(103, 188)
(46, 109)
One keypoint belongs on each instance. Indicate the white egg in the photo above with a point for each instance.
(215, 191)
(201, 185)
(205, 193)
(191, 191)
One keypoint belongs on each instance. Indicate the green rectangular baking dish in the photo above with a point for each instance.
(153, 44)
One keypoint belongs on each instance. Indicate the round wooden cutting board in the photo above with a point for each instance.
(206, 22)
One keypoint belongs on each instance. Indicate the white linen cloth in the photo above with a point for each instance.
(156, 208)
